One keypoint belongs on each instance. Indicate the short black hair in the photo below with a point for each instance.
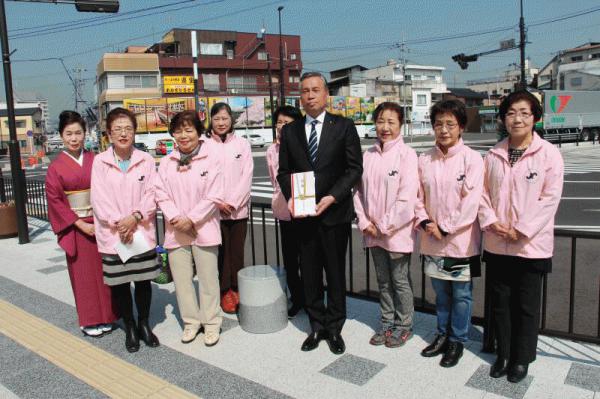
(454, 107)
(389, 106)
(215, 110)
(521, 95)
(287, 110)
(67, 118)
(183, 118)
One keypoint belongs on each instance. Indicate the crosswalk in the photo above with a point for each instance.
(584, 160)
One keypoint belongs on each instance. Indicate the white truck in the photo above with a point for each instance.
(570, 115)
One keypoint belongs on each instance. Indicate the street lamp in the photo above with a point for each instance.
(18, 178)
(281, 73)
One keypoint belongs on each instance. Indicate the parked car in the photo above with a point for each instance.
(370, 133)
(255, 140)
(164, 146)
(141, 146)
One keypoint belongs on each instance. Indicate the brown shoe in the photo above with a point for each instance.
(380, 337)
(398, 338)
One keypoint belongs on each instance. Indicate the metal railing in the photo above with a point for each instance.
(565, 322)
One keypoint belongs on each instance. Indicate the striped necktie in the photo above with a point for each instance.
(312, 142)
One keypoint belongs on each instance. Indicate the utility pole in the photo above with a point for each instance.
(195, 67)
(78, 85)
(271, 96)
(402, 47)
(522, 48)
(281, 70)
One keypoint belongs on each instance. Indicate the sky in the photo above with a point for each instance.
(334, 34)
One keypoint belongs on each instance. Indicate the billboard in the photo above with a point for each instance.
(178, 84)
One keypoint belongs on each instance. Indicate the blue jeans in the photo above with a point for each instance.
(453, 302)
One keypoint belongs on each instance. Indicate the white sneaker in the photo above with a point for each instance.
(92, 331)
(189, 333)
(106, 328)
(211, 338)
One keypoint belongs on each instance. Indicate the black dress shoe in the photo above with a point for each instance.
(336, 344)
(517, 372)
(293, 311)
(499, 368)
(452, 354)
(132, 341)
(312, 341)
(438, 346)
(146, 334)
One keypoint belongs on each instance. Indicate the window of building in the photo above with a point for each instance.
(294, 79)
(211, 81)
(421, 99)
(430, 77)
(577, 58)
(506, 91)
(262, 55)
(229, 53)
(408, 77)
(211, 48)
(140, 81)
(293, 56)
(19, 123)
(575, 82)
(595, 55)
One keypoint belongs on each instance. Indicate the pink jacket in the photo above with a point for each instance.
(115, 194)
(191, 193)
(386, 195)
(449, 195)
(236, 165)
(278, 203)
(525, 197)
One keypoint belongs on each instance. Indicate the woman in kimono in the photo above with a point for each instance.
(124, 205)
(70, 214)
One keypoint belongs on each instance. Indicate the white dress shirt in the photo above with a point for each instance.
(318, 126)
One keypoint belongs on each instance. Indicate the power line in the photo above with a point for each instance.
(88, 20)
(86, 24)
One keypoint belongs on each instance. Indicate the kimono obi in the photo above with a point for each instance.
(80, 203)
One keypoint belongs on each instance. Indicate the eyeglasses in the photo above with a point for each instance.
(440, 125)
(522, 115)
(186, 131)
(119, 130)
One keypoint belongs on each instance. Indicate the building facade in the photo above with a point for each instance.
(29, 127)
(496, 87)
(229, 63)
(417, 87)
(573, 69)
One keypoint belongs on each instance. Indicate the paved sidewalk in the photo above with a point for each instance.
(42, 352)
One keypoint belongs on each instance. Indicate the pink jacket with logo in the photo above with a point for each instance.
(386, 195)
(525, 197)
(190, 193)
(234, 157)
(449, 195)
(116, 194)
(278, 202)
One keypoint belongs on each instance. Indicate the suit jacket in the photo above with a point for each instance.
(337, 169)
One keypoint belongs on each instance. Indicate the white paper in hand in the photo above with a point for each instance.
(139, 245)
(303, 190)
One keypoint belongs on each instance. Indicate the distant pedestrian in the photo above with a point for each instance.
(290, 242)
(123, 202)
(187, 190)
(70, 213)
(385, 205)
(523, 182)
(234, 159)
(451, 183)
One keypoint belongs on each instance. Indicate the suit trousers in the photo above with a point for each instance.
(206, 311)
(290, 248)
(324, 248)
(516, 298)
(231, 252)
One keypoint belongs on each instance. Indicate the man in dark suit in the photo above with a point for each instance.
(328, 145)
